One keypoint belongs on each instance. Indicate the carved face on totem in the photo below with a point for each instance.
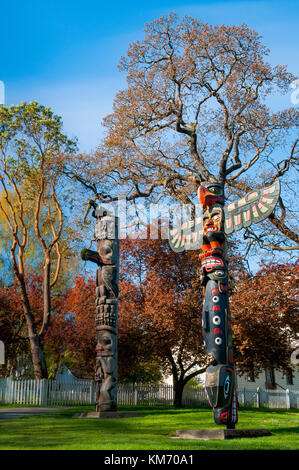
(106, 250)
(106, 352)
(213, 219)
(106, 233)
(106, 343)
(210, 194)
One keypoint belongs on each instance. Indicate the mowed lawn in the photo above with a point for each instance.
(62, 430)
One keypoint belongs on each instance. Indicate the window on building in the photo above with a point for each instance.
(289, 377)
(270, 379)
(251, 376)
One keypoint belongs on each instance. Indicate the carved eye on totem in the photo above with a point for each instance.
(215, 190)
(106, 250)
(216, 320)
(220, 273)
(106, 340)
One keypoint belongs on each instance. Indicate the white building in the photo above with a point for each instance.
(267, 380)
(271, 380)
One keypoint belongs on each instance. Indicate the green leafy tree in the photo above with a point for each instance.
(32, 152)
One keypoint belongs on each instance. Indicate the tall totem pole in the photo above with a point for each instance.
(208, 234)
(107, 259)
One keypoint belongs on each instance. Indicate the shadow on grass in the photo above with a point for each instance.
(269, 410)
(283, 430)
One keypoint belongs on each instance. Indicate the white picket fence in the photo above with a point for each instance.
(269, 398)
(155, 395)
(46, 392)
(51, 392)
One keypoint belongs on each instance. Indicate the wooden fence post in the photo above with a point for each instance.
(12, 391)
(43, 396)
(258, 397)
(91, 394)
(288, 401)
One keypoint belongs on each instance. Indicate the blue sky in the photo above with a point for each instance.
(64, 53)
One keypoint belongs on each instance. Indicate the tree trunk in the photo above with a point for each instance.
(46, 298)
(37, 352)
(178, 388)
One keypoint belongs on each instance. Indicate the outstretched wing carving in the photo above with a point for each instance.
(186, 237)
(252, 208)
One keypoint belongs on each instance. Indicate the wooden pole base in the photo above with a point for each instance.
(109, 414)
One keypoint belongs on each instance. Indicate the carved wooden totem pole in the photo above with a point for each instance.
(208, 234)
(107, 259)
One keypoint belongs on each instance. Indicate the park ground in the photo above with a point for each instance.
(62, 430)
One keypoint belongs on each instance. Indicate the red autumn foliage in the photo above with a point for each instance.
(265, 318)
(13, 328)
(160, 316)
(160, 299)
(71, 335)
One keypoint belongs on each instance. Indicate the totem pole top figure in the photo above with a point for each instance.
(252, 208)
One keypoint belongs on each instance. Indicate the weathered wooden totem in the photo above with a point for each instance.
(208, 234)
(107, 259)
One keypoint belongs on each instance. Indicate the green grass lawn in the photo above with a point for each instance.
(61, 430)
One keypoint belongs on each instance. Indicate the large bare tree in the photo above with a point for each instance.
(197, 107)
